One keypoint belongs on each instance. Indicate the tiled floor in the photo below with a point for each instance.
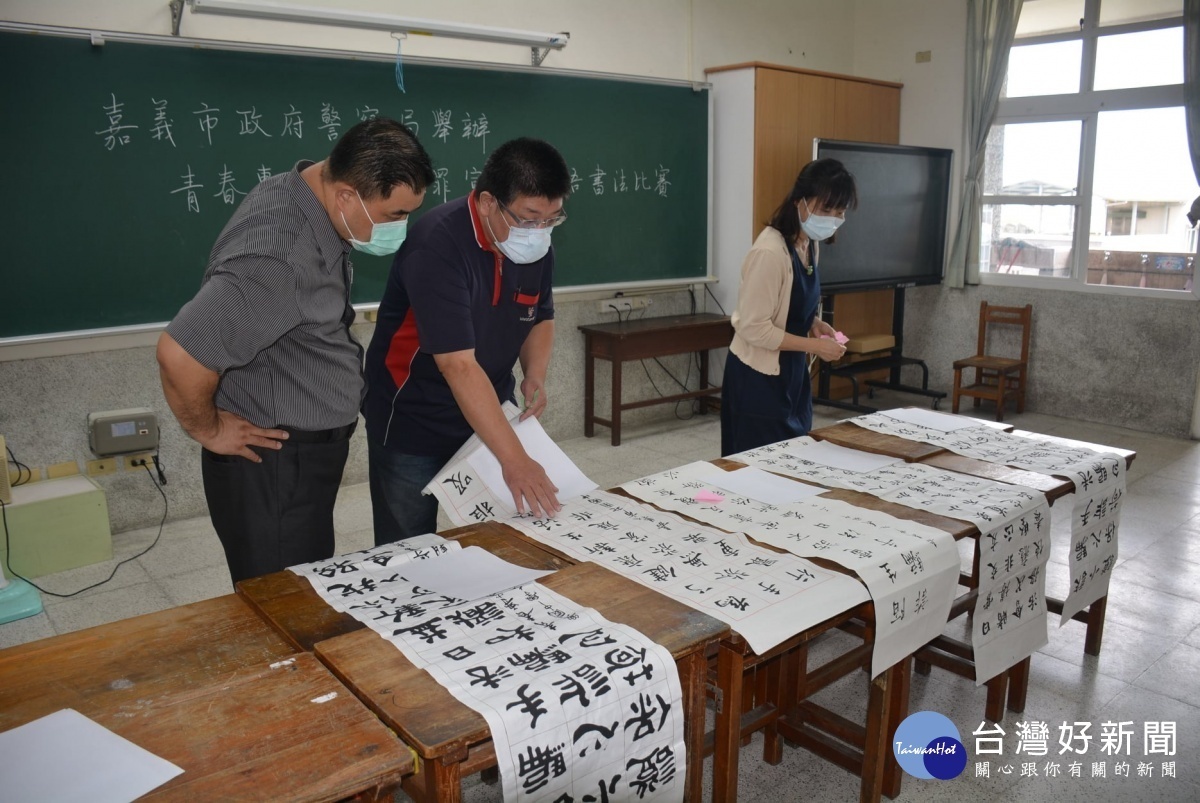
(1148, 670)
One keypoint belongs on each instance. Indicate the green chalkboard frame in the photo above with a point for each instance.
(108, 230)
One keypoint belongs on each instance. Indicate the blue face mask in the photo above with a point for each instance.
(819, 227)
(386, 238)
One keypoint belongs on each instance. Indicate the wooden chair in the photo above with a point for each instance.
(996, 378)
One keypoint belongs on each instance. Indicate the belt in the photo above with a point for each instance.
(335, 435)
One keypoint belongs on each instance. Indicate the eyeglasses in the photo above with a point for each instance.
(521, 223)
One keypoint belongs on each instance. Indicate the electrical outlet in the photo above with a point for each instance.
(24, 477)
(134, 462)
(623, 304)
(66, 469)
(105, 465)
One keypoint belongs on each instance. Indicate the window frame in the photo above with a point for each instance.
(1084, 106)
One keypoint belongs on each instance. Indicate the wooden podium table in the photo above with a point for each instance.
(644, 339)
(211, 688)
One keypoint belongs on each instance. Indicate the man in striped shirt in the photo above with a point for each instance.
(260, 367)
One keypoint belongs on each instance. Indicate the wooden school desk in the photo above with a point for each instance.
(210, 688)
(780, 703)
(952, 654)
(643, 339)
(451, 739)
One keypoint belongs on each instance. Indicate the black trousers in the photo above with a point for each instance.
(279, 512)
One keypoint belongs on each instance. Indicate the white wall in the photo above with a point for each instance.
(887, 36)
(44, 399)
(659, 38)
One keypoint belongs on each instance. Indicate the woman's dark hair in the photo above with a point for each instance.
(825, 180)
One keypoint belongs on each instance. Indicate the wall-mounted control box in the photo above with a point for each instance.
(123, 431)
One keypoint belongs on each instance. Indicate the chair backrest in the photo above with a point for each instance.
(990, 315)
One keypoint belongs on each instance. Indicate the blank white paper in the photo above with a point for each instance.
(762, 486)
(65, 757)
(942, 422)
(830, 454)
(471, 573)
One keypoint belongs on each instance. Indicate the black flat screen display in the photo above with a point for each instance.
(897, 235)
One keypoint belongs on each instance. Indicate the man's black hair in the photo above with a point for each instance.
(376, 155)
(525, 166)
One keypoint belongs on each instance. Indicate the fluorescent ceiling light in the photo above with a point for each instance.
(260, 9)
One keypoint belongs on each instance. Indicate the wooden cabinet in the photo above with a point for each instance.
(765, 118)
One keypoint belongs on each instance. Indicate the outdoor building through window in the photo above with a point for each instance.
(1088, 180)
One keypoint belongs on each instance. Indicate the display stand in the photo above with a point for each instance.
(893, 361)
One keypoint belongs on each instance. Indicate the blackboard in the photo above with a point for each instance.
(125, 160)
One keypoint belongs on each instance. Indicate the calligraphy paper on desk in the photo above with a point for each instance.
(1099, 479)
(910, 569)
(765, 596)
(576, 705)
(470, 488)
(344, 579)
(808, 459)
(1014, 524)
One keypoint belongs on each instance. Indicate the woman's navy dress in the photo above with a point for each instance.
(757, 409)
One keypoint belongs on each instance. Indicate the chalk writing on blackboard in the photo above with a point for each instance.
(115, 134)
(255, 124)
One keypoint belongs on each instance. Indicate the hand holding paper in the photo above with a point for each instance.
(534, 394)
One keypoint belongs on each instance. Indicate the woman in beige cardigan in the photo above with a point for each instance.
(767, 391)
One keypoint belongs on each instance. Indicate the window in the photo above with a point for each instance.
(1088, 180)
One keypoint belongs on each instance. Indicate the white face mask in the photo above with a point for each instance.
(819, 227)
(525, 245)
(386, 238)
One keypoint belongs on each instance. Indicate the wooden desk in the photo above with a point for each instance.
(451, 739)
(953, 654)
(643, 339)
(210, 688)
(780, 703)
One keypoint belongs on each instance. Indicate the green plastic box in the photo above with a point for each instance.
(56, 525)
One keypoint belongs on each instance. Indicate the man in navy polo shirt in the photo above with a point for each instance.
(469, 294)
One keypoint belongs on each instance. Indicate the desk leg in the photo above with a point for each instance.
(693, 672)
(703, 381)
(1018, 685)
(900, 688)
(1095, 626)
(589, 389)
(616, 401)
(877, 741)
(731, 665)
(438, 781)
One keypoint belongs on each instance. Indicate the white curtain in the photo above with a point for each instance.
(991, 26)
(1191, 80)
